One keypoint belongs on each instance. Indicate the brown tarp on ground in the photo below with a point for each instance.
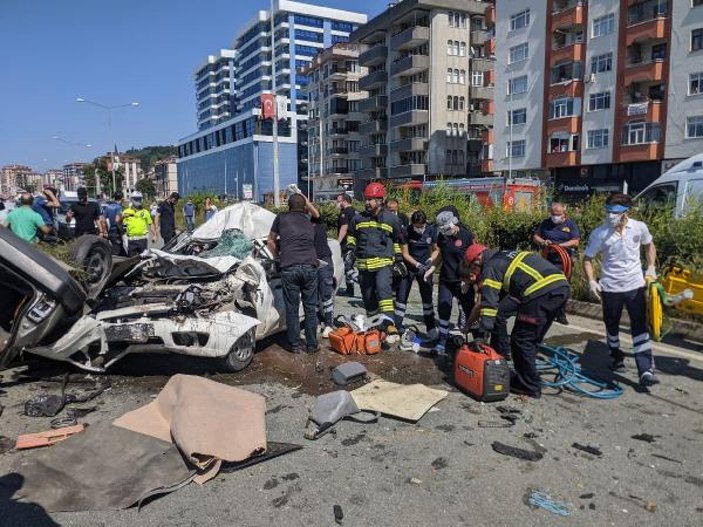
(409, 402)
(210, 422)
(105, 467)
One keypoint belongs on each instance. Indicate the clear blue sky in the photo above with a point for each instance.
(113, 52)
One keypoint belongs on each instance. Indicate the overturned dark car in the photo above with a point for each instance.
(178, 300)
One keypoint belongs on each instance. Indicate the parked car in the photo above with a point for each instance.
(67, 227)
(165, 302)
(678, 188)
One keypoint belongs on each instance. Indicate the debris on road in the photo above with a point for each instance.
(518, 453)
(46, 405)
(648, 438)
(48, 438)
(348, 373)
(338, 514)
(544, 501)
(330, 408)
(588, 449)
(666, 458)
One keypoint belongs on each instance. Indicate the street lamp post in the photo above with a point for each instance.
(109, 128)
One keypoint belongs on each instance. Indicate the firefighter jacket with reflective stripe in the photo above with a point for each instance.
(375, 239)
(523, 275)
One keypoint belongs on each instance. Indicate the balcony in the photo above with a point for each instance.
(482, 64)
(651, 111)
(410, 144)
(338, 73)
(337, 151)
(479, 118)
(490, 14)
(409, 90)
(652, 29)
(337, 171)
(575, 52)
(480, 36)
(373, 104)
(649, 71)
(410, 65)
(482, 92)
(373, 56)
(337, 131)
(410, 38)
(373, 80)
(564, 73)
(378, 150)
(562, 159)
(410, 118)
(568, 14)
(377, 126)
(570, 124)
(409, 170)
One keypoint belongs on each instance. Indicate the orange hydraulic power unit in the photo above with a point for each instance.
(482, 372)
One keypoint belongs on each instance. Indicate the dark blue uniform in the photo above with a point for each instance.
(420, 248)
(558, 233)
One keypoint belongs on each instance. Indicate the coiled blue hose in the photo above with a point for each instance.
(568, 375)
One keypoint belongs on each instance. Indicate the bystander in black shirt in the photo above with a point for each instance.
(453, 249)
(420, 245)
(322, 248)
(86, 214)
(167, 221)
(296, 239)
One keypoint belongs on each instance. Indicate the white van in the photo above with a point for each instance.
(678, 187)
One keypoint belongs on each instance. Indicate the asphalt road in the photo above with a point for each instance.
(440, 471)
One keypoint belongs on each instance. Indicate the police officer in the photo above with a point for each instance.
(137, 223)
(374, 239)
(619, 240)
(541, 291)
(419, 249)
(453, 240)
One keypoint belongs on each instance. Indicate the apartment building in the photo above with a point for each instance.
(334, 118)
(17, 177)
(74, 175)
(129, 167)
(612, 100)
(215, 89)
(227, 155)
(165, 176)
(429, 84)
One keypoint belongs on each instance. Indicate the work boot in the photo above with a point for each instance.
(311, 351)
(561, 319)
(432, 334)
(296, 350)
(648, 379)
(349, 291)
(618, 362)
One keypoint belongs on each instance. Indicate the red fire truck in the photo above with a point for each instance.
(520, 194)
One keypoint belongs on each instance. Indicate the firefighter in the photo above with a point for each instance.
(453, 240)
(373, 241)
(541, 291)
(419, 247)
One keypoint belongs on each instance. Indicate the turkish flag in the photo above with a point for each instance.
(268, 106)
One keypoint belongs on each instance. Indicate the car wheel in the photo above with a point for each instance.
(93, 255)
(241, 353)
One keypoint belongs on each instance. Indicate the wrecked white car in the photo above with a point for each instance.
(211, 294)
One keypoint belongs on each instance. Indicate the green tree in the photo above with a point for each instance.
(146, 187)
(150, 154)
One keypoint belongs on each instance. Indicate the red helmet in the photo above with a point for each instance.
(474, 251)
(374, 191)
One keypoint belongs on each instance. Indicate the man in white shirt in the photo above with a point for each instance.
(621, 283)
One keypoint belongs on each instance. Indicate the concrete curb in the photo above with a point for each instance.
(681, 328)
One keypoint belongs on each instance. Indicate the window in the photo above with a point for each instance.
(455, 77)
(604, 25)
(456, 102)
(598, 138)
(451, 19)
(564, 107)
(462, 49)
(462, 77)
(450, 47)
(518, 116)
(515, 148)
(518, 53)
(601, 63)
(517, 85)
(456, 129)
(455, 50)
(640, 132)
(449, 102)
(449, 75)
(520, 20)
(477, 78)
(660, 196)
(697, 39)
(659, 51)
(599, 101)
(462, 103)
(695, 82)
(457, 20)
(449, 128)
(694, 126)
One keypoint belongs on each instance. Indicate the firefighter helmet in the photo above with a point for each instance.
(374, 191)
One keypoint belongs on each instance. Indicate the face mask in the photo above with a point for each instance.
(447, 230)
(419, 230)
(558, 219)
(613, 219)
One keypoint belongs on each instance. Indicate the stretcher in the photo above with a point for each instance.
(677, 287)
